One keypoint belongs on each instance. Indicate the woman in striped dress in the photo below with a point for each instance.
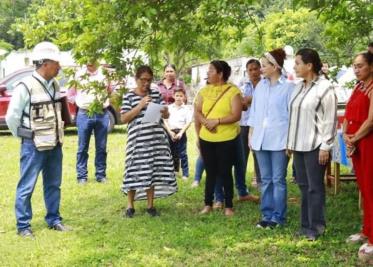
(149, 171)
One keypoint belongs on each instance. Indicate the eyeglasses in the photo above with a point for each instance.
(149, 80)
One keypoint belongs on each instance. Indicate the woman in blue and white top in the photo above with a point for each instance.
(268, 123)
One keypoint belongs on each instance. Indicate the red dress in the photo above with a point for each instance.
(357, 111)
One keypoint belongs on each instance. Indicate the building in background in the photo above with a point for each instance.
(17, 60)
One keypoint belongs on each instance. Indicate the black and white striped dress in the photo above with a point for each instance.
(148, 158)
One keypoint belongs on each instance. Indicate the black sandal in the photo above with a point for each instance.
(152, 212)
(130, 212)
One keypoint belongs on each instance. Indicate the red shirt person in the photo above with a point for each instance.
(358, 135)
(169, 84)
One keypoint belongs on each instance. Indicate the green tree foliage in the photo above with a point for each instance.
(348, 26)
(166, 30)
(298, 28)
(172, 30)
(9, 11)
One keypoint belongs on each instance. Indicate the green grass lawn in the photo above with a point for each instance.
(180, 237)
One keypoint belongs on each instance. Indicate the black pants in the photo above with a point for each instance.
(218, 159)
(310, 179)
(244, 135)
(179, 153)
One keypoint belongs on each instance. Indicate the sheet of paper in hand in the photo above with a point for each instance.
(152, 113)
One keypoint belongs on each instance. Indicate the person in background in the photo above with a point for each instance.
(268, 123)
(199, 169)
(34, 115)
(358, 135)
(254, 74)
(97, 123)
(242, 149)
(169, 84)
(149, 171)
(217, 112)
(312, 129)
(177, 125)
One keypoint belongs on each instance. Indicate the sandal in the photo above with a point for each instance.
(366, 252)
(228, 212)
(356, 238)
(206, 210)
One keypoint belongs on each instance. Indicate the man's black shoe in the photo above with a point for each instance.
(152, 212)
(262, 224)
(61, 228)
(26, 233)
(130, 212)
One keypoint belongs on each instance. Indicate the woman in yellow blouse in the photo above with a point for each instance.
(217, 112)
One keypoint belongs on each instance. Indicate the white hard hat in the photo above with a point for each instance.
(46, 50)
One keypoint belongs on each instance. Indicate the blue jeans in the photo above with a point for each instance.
(273, 166)
(239, 173)
(99, 124)
(200, 167)
(179, 151)
(32, 162)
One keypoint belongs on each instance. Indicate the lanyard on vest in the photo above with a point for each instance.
(46, 90)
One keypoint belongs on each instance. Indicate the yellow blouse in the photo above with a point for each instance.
(209, 95)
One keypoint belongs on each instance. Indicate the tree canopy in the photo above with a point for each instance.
(185, 32)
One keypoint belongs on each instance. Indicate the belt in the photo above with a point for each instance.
(86, 110)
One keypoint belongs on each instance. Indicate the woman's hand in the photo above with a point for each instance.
(211, 124)
(289, 152)
(349, 139)
(172, 135)
(144, 101)
(323, 157)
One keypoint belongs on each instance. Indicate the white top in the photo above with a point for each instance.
(313, 116)
(180, 116)
(84, 97)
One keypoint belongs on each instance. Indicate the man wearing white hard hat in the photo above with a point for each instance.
(34, 115)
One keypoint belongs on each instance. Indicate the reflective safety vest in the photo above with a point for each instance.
(44, 114)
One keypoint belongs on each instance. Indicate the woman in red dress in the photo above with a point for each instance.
(358, 135)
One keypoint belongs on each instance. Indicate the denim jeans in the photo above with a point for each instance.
(200, 167)
(273, 166)
(179, 151)
(239, 172)
(32, 162)
(99, 124)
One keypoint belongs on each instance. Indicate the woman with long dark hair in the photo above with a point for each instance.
(169, 84)
(358, 135)
(268, 123)
(312, 129)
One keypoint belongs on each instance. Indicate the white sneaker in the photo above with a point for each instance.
(185, 178)
(195, 184)
(356, 238)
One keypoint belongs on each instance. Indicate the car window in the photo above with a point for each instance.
(13, 82)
